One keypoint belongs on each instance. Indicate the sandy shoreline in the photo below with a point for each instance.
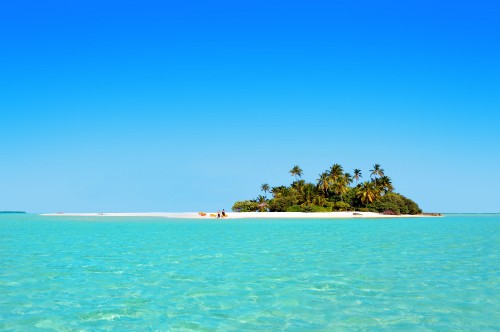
(242, 215)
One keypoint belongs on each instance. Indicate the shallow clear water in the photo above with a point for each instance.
(71, 273)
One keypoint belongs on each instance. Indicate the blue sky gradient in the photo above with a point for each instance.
(191, 105)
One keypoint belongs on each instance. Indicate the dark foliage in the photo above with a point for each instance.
(245, 206)
(334, 191)
(396, 203)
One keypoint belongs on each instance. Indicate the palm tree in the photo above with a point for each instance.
(341, 184)
(319, 200)
(265, 188)
(279, 191)
(324, 182)
(298, 184)
(367, 192)
(385, 184)
(307, 192)
(336, 171)
(357, 175)
(296, 171)
(376, 171)
(348, 178)
(262, 203)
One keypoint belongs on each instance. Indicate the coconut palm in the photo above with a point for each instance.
(265, 188)
(376, 171)
(298, 184)
(262, 203)
(348, 178)
(367, 192)
(296, 171)
(336, 171)
(340, 184)
(357, 175)
(324, 183)
(385, 184)
(307, 191)
(319, 201)
(279, 191)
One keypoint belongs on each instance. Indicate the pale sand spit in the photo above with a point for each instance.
(242, 215)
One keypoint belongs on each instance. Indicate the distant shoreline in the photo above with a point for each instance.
(247, 215)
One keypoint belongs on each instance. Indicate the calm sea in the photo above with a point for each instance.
(72, 273)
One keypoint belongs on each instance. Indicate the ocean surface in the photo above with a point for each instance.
(98, 273)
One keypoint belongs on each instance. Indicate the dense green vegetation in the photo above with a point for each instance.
(334, 190)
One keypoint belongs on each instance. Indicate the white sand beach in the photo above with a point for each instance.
(242, 215)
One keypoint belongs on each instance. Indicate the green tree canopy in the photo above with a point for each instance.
(296, 171)
(333, 191)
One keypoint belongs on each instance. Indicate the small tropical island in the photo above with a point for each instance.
(336, 194)
(334, 191)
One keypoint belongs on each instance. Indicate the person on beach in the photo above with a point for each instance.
(218, 214)
(223, 213)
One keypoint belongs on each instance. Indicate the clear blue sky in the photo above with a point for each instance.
(191, 105)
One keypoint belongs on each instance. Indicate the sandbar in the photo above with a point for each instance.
(242, 215)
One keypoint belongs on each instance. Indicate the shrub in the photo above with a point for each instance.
(330, 206)
(322, 209)
(308, 208)
(245, 206)
(413, 207)
(350, 197)
(342, 206)
(281, 204)
(396, 203)
(294, 208)
(314, 208)
(381, 206)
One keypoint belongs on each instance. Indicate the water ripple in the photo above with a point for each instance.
(141, 274)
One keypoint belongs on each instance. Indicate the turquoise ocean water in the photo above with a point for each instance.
(73, 273)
